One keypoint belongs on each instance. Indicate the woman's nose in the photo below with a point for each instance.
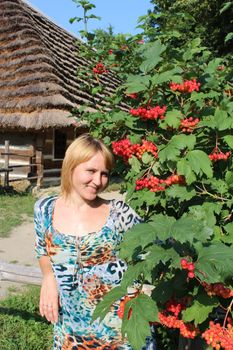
(97, 179)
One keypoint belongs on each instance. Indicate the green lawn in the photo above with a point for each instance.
(22, 328)
(14, 209)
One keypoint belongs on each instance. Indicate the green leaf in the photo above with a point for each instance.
(229, 237)
(184, 168)
(186, 229)
(162, 225)
(137, 83)
(229, 140)
(137, 327)
(229, 228)
(135, 164)
(147, 158)
(156, 168)
(206, 212)
(215, 262)
(132, 273)
(138, 236)
(223, 122)
(152, 56)
(181, 192)
(219, 186)
(229, 178)
(168, 152)
(178, 142)
(183, 141)
(200, 163)
(173, 118)
(228, 37)
(103, 307)
(213, 65)
(166, 76)
(75, 19)
(226, 6)
(159, 254)
(200, 309)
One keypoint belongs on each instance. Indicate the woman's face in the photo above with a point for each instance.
(90, 178)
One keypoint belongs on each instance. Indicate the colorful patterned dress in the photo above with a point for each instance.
(86, 268)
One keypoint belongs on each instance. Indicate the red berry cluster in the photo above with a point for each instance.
(188, 266)
(187, 330)
(187, 86)
(217, 154)
(147, 146)
(188, 124)
(175, 307)
(218, 289)
(154, 184)
(100, 68)
(219, 337)
(126, 150)
(152, 113)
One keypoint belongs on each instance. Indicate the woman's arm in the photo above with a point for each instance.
(49, 299)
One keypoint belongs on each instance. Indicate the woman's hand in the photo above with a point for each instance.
(49, 299)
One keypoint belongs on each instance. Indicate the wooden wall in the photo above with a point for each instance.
(20, 143)
(42, 146)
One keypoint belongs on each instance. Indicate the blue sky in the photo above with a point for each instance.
(122, 14)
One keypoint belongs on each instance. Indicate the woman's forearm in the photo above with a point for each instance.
(49, 292)
(45, 266)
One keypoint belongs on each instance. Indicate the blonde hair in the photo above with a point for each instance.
(81, 150)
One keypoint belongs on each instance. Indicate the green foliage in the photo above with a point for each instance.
(21, 325)
(211, 20)
(187, 210)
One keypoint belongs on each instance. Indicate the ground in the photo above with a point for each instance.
(18, 248)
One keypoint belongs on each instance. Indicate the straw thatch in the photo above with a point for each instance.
(38, 65)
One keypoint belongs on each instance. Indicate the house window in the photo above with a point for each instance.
(59, 147)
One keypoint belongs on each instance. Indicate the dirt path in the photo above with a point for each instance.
(18, 248)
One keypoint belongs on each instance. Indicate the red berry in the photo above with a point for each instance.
(191, 267)
(191, 274)
(184, 263)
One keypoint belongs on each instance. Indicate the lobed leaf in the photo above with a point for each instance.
(200, 309)
(215, 262)
(200, 163)
(103, 307)
(144, 310)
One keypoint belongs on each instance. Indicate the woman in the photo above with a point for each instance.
(77, 235)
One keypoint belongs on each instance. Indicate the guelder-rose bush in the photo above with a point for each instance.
(174, 148)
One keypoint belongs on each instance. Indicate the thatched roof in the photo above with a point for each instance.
(38, 65)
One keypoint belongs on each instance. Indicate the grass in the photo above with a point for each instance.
(14, 208)
(22, 328)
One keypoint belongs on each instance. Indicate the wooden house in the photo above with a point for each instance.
(39, 87)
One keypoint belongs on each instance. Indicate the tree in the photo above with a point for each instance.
(211, 20)
(174, 146)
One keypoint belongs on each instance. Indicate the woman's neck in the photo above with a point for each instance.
(75, 201)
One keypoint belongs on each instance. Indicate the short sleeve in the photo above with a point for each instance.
(40, 244)
(127, 217)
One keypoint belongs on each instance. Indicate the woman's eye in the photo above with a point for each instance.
(90, 171)
(105, 174)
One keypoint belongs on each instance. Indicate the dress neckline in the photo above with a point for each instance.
(62, 234)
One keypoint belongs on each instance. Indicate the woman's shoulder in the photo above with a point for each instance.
(126, 215)
(43, 203)
(122, 206)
